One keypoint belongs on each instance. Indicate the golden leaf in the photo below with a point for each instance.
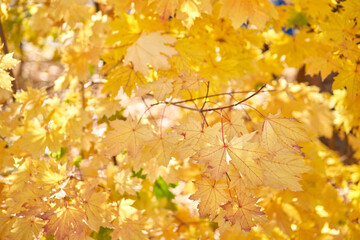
(151, 49)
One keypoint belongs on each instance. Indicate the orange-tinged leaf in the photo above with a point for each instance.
(151, 49)
(279, 132)
(66, 221)
(211, 195)
(244, 213)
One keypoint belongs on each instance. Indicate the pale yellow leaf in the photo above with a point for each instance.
(151, 49)
(128, 135)
(283, 170)
(7, 61)
(243, 153)
(279, 132)
(211, 195)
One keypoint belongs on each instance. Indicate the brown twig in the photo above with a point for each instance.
(202, 107)
(210, 109)
(217, 95)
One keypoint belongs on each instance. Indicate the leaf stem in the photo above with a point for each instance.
(255, 110)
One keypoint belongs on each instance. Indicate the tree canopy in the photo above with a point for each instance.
(180, 119)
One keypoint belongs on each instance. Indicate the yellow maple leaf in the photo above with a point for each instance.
(131, 229)
(314, 8)
(37, 137)
(352, 9)
(242, 153)
(296, 48)
(195, 136)
(6, 62)
(195, 133)
(74, 122)
(282, 170)
(6, 159)
(349, 77)
(151, 49)
(51, 174)
(128, 135)
(236, 126)
(26, 228)
(166, 8)
(322, 62)
(217, 158)
(258, 12)
(338, 27)
(95, 209)
(161, 88)
(191, 80)
(126, 211)
(191, 9)
(122, 76)
(244, 213)
(129, 224)
(32, 101)
(124, 182)
(279, 132)
(71, 11)
(23, 175)
(211, 194)
(161, 147)
(64, 222)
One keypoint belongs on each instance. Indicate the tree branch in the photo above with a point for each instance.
(210, 109)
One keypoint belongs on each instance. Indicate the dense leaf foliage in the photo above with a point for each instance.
(178, 119)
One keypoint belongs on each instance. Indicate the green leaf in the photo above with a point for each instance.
(50, 237)
(298, 19)
(138, 174)
(92, 68)
(118, 115)
(60, 153)
(161, 189)
(77, 160)
(103, 234)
